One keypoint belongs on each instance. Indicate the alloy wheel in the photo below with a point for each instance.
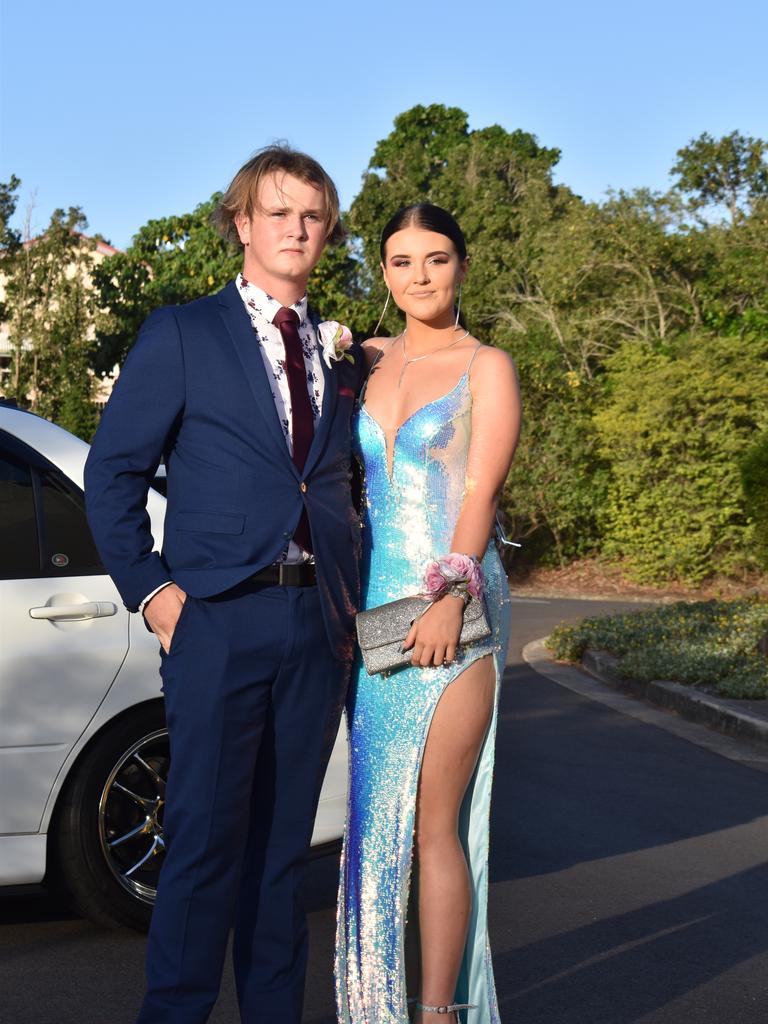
(131, 815)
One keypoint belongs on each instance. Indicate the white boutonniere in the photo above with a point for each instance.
(335, 342)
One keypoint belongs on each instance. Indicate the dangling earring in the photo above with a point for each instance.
(458, 309)
(386, 303)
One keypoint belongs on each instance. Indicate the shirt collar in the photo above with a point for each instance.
(258, 302)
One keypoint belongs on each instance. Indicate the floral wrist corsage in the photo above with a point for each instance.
(455, 574)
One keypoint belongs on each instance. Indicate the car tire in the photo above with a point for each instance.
(107, 831)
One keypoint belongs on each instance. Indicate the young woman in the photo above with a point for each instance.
(435, 432)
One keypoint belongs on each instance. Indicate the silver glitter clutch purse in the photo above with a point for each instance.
(381, 631)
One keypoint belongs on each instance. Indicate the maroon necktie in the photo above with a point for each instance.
(287, 321)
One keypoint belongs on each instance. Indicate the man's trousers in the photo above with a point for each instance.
(253, 699)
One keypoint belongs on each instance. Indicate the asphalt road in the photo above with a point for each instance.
(628, 881)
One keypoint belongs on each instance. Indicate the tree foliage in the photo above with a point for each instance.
(675, 426)
(171, 260)
(754, 482)
(10, 238)
(731, 172)
(638, 324)
(52, 315)
(557, 485)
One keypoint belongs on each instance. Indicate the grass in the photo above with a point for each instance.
(709, 644)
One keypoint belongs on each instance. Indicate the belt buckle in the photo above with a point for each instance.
(288, 575)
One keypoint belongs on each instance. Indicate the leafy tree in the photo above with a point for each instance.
(51, 322)
(10, 239)
(731, 172)
(601, 275)
(171, 260)
(734, 291)
(336, 289)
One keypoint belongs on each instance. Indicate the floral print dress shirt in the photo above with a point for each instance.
(261, 308)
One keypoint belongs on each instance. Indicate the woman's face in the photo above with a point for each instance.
(423, 271)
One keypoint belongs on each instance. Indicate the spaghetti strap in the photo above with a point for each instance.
(470, 361)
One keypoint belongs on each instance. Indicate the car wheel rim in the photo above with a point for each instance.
(131, 815)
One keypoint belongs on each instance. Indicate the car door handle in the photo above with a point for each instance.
(87, 610)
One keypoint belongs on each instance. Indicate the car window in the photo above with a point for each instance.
(68, 548)
(19, 554)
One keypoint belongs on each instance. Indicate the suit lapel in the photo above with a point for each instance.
(330, 394)
(240, 329)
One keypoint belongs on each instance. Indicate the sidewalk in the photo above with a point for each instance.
(744, 718)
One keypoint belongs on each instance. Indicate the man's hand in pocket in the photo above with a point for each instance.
(163, 611)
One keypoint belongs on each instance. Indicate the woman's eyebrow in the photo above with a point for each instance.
(406, 256)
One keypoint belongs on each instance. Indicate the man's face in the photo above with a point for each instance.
(285, 237)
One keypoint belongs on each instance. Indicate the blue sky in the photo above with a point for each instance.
(142, 110)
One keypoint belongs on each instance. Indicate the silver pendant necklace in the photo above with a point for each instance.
(417, 359)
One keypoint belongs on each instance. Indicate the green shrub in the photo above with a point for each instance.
(675, 426)
(754, 482)
(712, 644)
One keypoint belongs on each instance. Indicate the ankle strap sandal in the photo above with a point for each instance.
(445, 1009)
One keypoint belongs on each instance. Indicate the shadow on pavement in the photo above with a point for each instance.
(559, 806)
(32, 905)
(600, 972)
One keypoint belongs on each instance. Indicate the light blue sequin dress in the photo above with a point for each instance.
(409, 519)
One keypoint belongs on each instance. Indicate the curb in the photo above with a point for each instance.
(569, 595)
(717, 712)
(718, 733)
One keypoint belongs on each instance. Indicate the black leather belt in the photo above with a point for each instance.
(301, 574)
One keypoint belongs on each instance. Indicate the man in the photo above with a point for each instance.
(253, 595)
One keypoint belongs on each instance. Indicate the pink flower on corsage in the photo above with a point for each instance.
(453, 573)
(335, 341)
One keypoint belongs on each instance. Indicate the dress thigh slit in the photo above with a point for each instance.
(375, 880)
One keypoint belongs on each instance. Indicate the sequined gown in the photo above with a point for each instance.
(409, 519)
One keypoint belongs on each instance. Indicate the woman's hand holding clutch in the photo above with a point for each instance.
(434, 636)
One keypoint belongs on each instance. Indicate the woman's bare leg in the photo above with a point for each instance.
(456, 734)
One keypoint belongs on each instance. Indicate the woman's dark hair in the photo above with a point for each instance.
(429, 217)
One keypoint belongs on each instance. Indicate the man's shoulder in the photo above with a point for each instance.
(196, 311)
(210, 303)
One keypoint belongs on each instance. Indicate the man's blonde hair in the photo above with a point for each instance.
(242, 194)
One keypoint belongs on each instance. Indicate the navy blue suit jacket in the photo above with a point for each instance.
(194, 391)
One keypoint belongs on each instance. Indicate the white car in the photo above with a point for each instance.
(83, 745)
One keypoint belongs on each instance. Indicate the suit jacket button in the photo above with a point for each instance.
(303, 487)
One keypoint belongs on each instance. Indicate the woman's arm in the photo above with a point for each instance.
(496, 420)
